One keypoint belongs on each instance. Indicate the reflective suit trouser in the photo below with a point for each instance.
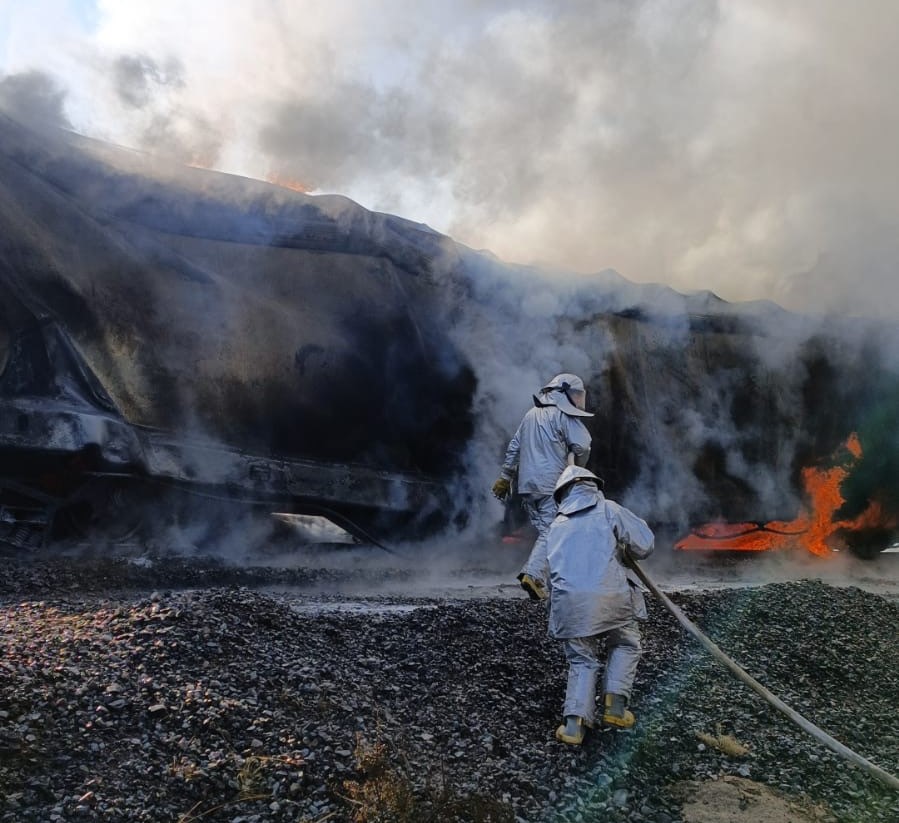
(541, 510)
(623, 650)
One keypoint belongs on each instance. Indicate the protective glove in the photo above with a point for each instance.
(502, 488)
(623, 546)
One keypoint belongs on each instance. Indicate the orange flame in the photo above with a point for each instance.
(286, 182)
(814, 529)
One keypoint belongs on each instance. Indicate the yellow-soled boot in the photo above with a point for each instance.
(616, 713)
(572, 731)
(535, 589)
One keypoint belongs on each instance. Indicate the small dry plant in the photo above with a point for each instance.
(382, 795)
(185, 769)
(723, 742)
(252, 781)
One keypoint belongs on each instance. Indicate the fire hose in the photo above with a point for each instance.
(741, 674)
(735, 669)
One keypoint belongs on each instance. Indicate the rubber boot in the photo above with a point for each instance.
(616, 713)
(535, 589)
(572, 731)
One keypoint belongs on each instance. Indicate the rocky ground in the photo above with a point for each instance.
(168, 689)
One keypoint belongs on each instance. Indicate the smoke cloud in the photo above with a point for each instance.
(734, 147)
(34, 97)
(745, 147)
(741, 147)
(136, 79)
(703, 410)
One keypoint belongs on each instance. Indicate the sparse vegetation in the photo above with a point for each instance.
(381, 794)
(384, 794)
(252, 779)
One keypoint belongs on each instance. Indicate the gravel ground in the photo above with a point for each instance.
(250, 696)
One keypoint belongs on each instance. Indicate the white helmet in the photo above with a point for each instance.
(563, 391)
(571, 475)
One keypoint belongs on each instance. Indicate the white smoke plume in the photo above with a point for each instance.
(744, 147)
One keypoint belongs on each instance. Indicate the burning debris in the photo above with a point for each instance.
(818, 529)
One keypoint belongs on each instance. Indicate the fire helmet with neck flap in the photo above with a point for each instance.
(567, 392)
(572, 475)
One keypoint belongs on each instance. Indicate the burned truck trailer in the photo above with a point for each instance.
(174, 334)
(181, 340)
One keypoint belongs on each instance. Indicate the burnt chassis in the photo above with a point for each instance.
(72, 466)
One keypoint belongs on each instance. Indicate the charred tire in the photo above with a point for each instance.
(104, 510)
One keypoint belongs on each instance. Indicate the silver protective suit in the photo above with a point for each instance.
(593, 595)
(538, 452)
(539, 448)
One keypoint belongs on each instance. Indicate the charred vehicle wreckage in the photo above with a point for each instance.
(180, 345)
(166, 341)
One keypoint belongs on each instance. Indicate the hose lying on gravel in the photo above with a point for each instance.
(882, 775)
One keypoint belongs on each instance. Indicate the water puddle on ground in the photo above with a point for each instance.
(319, 607)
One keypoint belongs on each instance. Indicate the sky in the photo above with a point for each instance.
(747, 147)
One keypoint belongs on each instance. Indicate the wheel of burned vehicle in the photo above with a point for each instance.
(106, 510)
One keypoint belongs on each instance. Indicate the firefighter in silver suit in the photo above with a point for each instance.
(537, 454)
(595, 595)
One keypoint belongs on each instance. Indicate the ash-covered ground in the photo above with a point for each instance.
(352, 685)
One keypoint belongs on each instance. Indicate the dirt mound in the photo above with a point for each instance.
(737, 800)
